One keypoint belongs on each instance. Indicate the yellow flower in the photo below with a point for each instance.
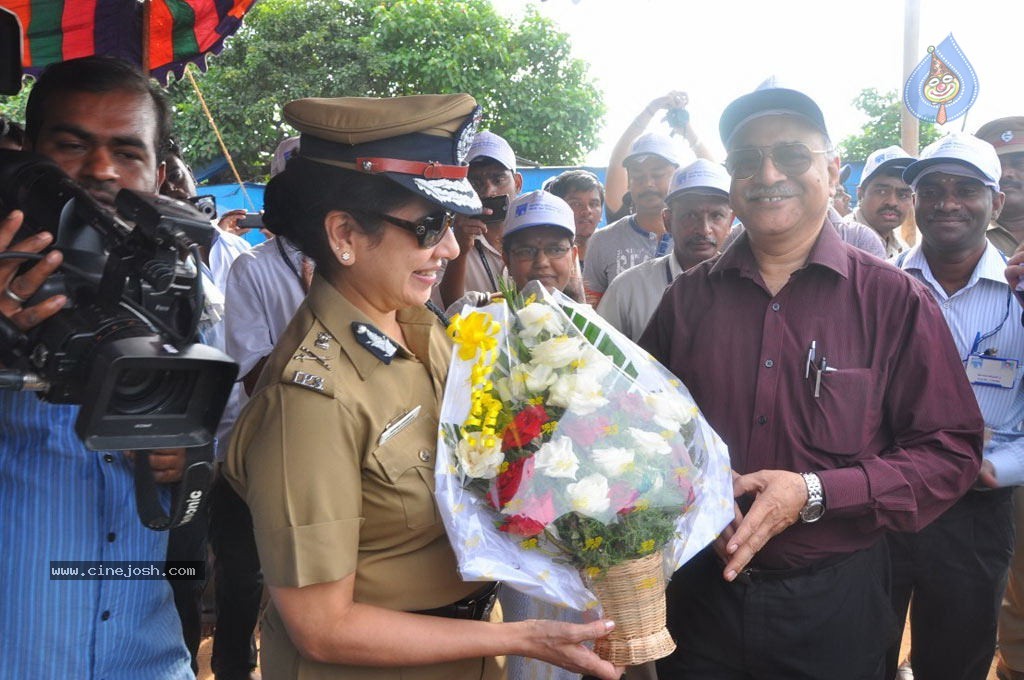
(593, 543)
(549, 427)
(528, 544)
(473, 333)
(647, 546)
(593, 572)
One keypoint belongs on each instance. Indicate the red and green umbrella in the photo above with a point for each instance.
(161, 36)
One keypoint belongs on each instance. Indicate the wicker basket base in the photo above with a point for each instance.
(635, 651)
(633, 595)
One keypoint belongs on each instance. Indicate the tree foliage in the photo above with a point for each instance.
(534, 93)
(883, 127)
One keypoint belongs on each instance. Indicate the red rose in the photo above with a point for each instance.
(521, 526)
(524, 428)
(507, 483)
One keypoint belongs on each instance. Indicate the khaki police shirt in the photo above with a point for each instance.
(1001, 238)
(330, 495)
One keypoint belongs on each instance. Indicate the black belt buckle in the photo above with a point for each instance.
(479, 608)
(476, 606)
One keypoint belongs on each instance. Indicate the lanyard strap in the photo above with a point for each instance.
(980, 337)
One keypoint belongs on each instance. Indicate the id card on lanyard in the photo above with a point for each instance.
(985, 367)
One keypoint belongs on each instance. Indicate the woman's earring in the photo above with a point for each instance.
(346, 256)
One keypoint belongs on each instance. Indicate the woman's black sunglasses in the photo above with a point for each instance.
(429, 230)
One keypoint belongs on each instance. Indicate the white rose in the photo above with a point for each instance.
(671, 410)
(594, 363)
(538, 318)
(538, 378)
(589, 496)
(580, 394)
(514, 387)
(650, 442)
(614, 461)
(478, 460)
(557, 459)
(587, 395)
(558, 352)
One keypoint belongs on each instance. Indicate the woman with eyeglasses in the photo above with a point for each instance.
(537, 245)
(335, 452)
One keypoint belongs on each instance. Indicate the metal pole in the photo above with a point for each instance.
(909, 125)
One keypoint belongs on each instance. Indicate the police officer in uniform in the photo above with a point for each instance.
(334, 454)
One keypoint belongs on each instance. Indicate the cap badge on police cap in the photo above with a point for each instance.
(418, 141)
(464, 137)
(1007, 136)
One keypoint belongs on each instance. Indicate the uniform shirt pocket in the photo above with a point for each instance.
(406, 461)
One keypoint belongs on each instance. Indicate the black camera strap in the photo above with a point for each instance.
(487, 265)
(187, 496)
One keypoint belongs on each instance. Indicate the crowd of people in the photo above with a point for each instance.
(868, 388)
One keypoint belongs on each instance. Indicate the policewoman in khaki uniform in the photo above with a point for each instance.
(334, 454)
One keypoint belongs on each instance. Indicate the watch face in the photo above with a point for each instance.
(812, 513)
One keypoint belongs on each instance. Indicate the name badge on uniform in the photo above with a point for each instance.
(397, 425)
(991, 371)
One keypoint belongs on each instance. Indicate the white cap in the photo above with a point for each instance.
(702, 176)
(285, 150)
(654, 144)
(889, 157)
(486, 144)
(955, 153)
(538, 209)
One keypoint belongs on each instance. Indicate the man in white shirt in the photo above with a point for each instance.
(952, 573)
(698, 217)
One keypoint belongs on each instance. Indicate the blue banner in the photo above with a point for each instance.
(943, 86)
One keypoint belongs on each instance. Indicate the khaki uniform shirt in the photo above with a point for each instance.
(1001, 239)
(329, 495)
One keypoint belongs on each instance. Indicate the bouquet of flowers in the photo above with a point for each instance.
(568, 455)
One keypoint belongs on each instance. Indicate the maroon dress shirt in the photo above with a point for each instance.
(895, 433)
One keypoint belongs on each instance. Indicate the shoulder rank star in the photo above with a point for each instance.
(374, 341)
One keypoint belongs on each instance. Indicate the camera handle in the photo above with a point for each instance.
(187, 496)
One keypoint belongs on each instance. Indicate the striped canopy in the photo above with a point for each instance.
(161, 36)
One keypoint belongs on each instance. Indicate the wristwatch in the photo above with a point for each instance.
(814, 508)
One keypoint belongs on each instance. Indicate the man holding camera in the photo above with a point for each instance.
(106, 127)
(492, 172)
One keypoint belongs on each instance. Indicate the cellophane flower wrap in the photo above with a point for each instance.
(565, 449)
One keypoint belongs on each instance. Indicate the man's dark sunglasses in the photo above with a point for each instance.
(791, 159)
(429, 230)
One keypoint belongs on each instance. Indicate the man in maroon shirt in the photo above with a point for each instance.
(835, 382)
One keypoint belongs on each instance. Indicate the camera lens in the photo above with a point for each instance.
(138, 391)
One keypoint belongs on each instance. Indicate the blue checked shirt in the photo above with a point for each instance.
(60, 501)
(983, 315)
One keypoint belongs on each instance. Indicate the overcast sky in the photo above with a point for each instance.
(719, 49)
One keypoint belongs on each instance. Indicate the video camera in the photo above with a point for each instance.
(124, 346)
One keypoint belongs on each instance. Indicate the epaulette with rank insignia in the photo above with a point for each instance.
(312, 362)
